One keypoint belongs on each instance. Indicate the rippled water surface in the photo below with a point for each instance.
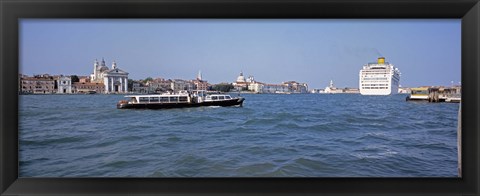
(312, 135)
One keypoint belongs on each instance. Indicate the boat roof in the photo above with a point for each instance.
(158, 95)
(420, 88)
(218, 95)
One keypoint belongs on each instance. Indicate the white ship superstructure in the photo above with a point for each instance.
(380, 78)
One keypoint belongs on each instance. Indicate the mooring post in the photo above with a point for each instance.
(459, 140)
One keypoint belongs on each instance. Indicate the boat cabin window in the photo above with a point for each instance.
(163, 99)
(143, 99)
(154, 99)
(173, 99)
(228, 97)
(133, 100)
(214, 97)
(424, 92)
(183, 99)
(221, 97)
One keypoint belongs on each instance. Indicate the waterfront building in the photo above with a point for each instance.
(64, 84)
(84, 79)
(457, 89)
(275, 88)
(199, 83)
(256, 87)
(240, 84)
(38, 84)
(115, 80)
(351, 90)
(252, 85)
(85, 85)
(88, 87)
(380, 78)
(331, 89)
(250, 79)
(178, 85)
(249, 84)
(159, 85)
(98, 70)
(138, 87)
(316, 91)
(295, 87)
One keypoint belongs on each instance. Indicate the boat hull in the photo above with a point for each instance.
(417, 98)
(224, 103)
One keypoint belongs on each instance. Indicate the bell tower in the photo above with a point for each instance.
(95, 66)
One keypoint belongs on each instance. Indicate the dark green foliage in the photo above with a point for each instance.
(222, 87)
(130, 84)
(75, 78)
(147, 79)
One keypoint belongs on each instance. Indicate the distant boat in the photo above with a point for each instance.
(182, 99)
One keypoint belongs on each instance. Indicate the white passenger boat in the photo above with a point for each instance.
(182, 99)
(418, 94)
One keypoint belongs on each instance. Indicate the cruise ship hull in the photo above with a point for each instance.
(375, 93)
(223, 103)
(378, 92)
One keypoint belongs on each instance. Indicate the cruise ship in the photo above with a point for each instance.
(380, 78)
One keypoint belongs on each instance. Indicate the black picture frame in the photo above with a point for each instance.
(13, 10)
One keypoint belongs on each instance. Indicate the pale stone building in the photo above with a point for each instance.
(199, 83)
(241, 83)
(296, 87)
(275, 88)
(256, 87)
(38, 84)
(331, 89)
(178, 85)
(138, 87)
(64, 84)
(114, 79)
(159, 85)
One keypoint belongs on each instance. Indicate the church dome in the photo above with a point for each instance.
(240, 78)
(102, 68)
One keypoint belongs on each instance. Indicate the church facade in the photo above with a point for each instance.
(114, 79)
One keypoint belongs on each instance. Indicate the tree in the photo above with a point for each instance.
(75, 78)
(222, 87)
(147, 79)
(130, 84)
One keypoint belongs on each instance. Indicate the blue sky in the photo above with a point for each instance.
(427, 52)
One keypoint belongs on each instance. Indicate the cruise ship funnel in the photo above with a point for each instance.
(381, 60)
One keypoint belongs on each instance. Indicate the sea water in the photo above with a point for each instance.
(272, 135)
